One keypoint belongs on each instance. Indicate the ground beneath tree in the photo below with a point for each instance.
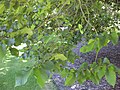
(112, 52)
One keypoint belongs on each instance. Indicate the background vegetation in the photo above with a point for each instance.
(49, 30)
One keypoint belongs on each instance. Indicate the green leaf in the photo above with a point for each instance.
(40, 1)
(68, 2)
(97, 45)
(102, 71)
(81, 78)
(117, 70)
(18, 40)
(50, 38)
(70, 79)
(64, 73)
(93, 65)
(59, 56)
(2, 8)
(87, 48)
(106, 61)
(84, 49)
(27, 31)
(114, 37)
(49, 65)
(83, 66)
(91, 41)
(99, 61)
(110, 76)
(2, 51)
(41, 76)
(22, 77)
(103, 40)
(94, 78)
(80, 28)
(40, 36)
(14, 51)
(87, 73)
(97, 68)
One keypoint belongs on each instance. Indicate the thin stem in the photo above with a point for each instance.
(86, 18)
(96, 56)
(53, 16)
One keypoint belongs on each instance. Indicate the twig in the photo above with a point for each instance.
(85, 17)
(52, 17)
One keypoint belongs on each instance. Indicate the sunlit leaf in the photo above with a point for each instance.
(87, 48)
(70, 79)
(64, 73)
(40, 76)
(27, 31)
(2, 7)
(80, 28)
(59, 57)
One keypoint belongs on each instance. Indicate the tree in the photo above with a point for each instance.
(51, 28)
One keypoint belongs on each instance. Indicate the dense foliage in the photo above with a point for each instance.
(49, 29)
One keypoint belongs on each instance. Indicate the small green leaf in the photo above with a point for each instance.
(110, 76)
(93, 65)
(94, 78)
(91, 41)
(41, 76)
(102, 71)
(40, 1)
(49, 65)
(40, 36)
(103, 40)
(2, 7)
(70, 79)
(80, 28)
(14, 51)
(18, 40)
(97, 68)
(87, 73)
(87, 48)
(50, 38)
(22, 77)
(99, 61)
(68, 2)
(117, 70)
(81, 78)
(84, 65)
(64, 73)
(106, 61)
(26, 31)
(114, 37)
(32, 27)
(59, 56)
(97, 45)
(83, 49)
